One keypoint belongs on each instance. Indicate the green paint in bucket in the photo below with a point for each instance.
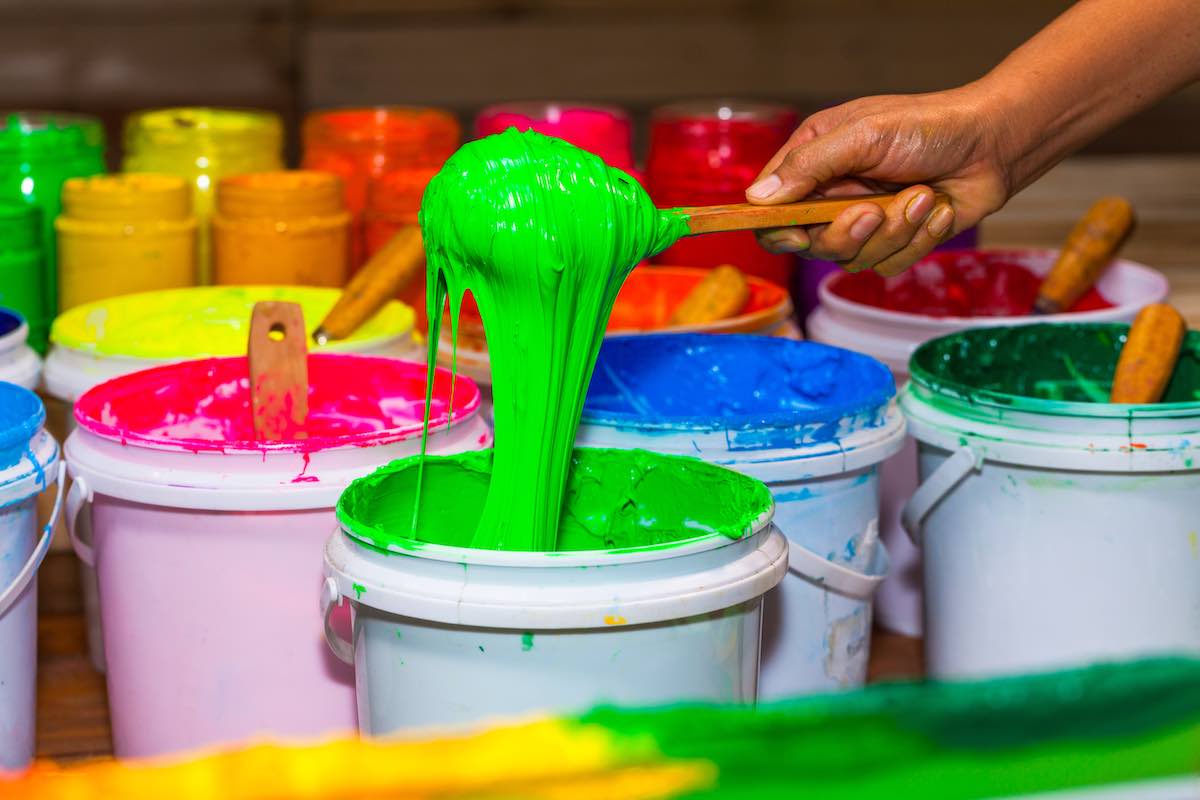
(21, 267)
(38, 152)
(1045, 369)
(624, 500)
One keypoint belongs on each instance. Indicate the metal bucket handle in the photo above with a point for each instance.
(9, 596)
(961, 463)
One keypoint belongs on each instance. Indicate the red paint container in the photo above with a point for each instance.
(362, 144)
(602, 130)
(707, 153)
(392, 203)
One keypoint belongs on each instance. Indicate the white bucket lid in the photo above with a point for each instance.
(1003, 426)
(27, 452)
(892, 336)
(718, 397)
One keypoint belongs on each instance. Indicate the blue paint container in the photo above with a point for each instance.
(811, 421)
(29, 462)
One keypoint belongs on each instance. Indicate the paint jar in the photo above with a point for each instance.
(641, 613)
(644, 305)
(29, 463)
(360, 145)
(599, 129)
(21, 266)
(203, 145)
(813, 423)
(19, 364)
(892, 336)
(1057, 529)
(288, 227)
(207, 541)
(708, 153)
(38, 152)
(392, 203)
(122, 234)
(99, 341)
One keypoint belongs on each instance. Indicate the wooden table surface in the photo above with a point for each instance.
(72, 708)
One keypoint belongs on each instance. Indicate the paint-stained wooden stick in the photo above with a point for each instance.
(722, 294)
(383, 277)
(1148, 358)
(1093, 242)
(748, 216)
(278, 357)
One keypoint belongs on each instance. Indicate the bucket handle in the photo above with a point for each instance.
(78, 495)
(837, 577)
(9, 596)
(961, 463)
(331, 598)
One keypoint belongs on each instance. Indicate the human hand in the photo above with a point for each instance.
(945, 141)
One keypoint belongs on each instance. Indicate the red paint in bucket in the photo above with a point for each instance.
(203, 406)
(955, 283)
(707, 154)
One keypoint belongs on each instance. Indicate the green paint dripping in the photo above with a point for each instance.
(526, 642)
(543, 235)
(359, 591)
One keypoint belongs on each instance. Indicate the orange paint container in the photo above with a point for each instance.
(287, 227)
(360, 145)
(121, 234)
(392, 203)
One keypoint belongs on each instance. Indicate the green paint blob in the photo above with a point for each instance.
(542, 234)
(615, 500)
(526, 642)
(1042, 368)
(359, 591)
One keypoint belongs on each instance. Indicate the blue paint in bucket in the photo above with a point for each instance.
(26, 453)
(9, 321)
(811, 421)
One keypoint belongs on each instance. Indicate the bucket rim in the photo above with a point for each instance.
(954, 392)
(875, 400)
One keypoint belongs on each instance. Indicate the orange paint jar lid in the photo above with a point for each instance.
(130, 197)
(284, 194)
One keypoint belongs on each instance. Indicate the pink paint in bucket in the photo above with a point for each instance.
(208, 544)
(28, 463)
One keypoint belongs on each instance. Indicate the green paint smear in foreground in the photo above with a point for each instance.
(543, 235)
(1103, 724)
(1040, 367)
(615, 500)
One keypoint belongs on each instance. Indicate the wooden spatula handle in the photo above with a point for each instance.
(278, 357)
(1087, 251)
(748, 216)
(1148, 358)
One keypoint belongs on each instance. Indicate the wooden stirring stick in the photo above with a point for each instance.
(1148, 358)
(722, 294)
(278, 371)
(381, 279)
(1093, 242)
(748, 216)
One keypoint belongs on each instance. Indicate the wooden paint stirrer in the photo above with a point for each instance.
(1148, 358)
(278, 357)
(748, 216)
(1093, 242)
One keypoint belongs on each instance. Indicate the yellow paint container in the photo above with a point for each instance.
(287, 227)
(120, 234)
(203, 145)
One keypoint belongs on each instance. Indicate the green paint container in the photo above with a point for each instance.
(39, 151)
(22, 267)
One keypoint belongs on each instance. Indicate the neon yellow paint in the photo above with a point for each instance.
(542, 234)
(205, 321)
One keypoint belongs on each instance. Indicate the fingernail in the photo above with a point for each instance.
(918, 207)
(940, 221)
(765, 188)
(864, 226)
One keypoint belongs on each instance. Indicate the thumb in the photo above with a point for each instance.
(833, 155)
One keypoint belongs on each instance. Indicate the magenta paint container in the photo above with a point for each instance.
(208, 544)
(602, 130)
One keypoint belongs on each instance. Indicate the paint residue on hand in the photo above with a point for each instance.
(542, 234)
(615, 500)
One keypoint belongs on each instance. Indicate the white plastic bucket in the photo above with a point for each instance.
(29, 463)
(207, 542)
(1054, 532)
(19, 364)
(892, 336)
(809, 420)
(452, 635)
(99, 341)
